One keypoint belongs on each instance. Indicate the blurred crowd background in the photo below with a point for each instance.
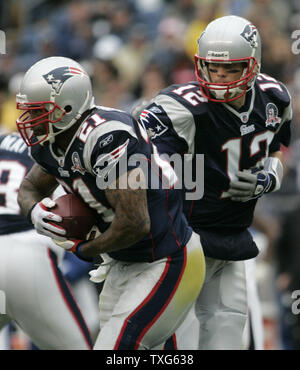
(134, 48)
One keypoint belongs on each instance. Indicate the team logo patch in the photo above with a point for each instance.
(250, 34)
(58, 76)
(272, 115)
(154, 126)
(106, 161)
(77, 167)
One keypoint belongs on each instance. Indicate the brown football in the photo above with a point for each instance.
(77, 217)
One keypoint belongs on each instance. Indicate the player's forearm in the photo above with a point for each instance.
(131, 222)
(274, 165)
(35, 186)
(28, 196)
(118, 236)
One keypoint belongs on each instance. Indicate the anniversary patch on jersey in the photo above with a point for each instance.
(77, 166)
(272, 115)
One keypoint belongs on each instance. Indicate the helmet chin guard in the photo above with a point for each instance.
(26, 124)
(228, 40)
(54, 94)
(229, 91)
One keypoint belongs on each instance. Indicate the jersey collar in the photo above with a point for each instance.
(243, 113)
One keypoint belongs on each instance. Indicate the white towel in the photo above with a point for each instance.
(100, 274)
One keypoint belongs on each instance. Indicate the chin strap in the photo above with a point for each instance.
(83, 108)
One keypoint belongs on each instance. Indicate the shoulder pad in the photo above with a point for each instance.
(171, 113)
(107, 136)
(188, 94)
(273, 88)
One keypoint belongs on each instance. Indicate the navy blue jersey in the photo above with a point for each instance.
(181, 120)
(14, 165)
(101, 147)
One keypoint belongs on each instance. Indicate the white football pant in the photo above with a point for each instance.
(142, 304)
(220, 309)
(36, 295)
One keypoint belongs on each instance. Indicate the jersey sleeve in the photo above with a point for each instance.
(170, 125)
(108, 149)
(35, 152)
(283, 134)
(280, 99)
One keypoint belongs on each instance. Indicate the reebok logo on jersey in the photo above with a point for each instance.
(155, 110)
(106, 141)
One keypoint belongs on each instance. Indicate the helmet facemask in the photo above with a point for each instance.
(54, 94)
(50, 113)
(229, 91)
(228, 40)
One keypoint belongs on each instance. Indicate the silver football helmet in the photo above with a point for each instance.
(228, 39)
(54, 92)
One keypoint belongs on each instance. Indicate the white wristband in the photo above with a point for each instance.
(274, 166)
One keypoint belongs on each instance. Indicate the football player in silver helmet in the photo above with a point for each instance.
(148, 248)
(238, 118)
(230, 45)
(54, 94)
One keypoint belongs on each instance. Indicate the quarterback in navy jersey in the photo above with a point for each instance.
(150, 254)
(30, 276)
(238, 118)
(180, 120)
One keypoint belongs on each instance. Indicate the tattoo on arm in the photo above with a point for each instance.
(131, 222)
(36, 185)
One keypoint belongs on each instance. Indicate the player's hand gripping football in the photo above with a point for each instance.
(69, 245)
(41, 218)
(251, 184)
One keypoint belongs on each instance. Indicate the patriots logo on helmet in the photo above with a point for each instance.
(250, 34)
(58, 76)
